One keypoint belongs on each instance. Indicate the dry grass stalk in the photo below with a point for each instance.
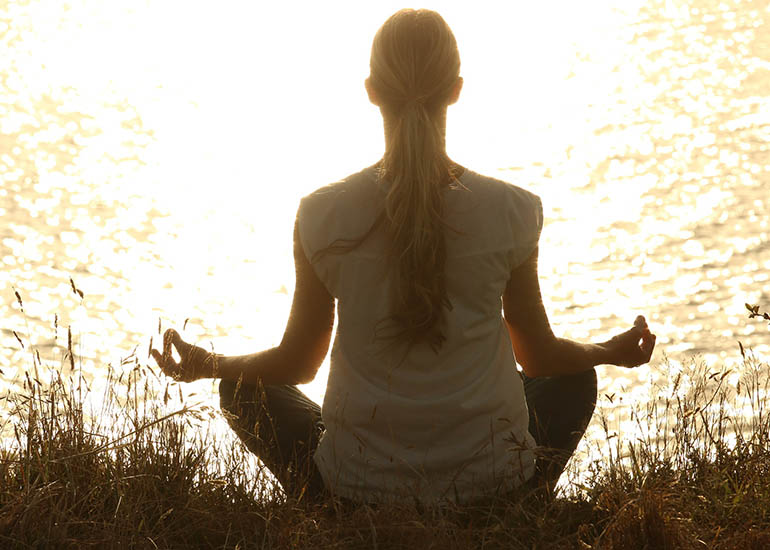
(138, 467)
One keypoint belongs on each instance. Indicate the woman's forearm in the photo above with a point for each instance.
(271, 366)
(563, 357)
(552, 356)
(570, 357)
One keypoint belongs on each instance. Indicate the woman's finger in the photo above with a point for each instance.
(173, 337)
(158, 357)
(634, 334)
(166, 363)
(168, 339)
(648, 344)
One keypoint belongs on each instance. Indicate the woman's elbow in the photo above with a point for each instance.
(533, 369)
(536, 365)
(304, 367)
(301, 360)
(307, 375)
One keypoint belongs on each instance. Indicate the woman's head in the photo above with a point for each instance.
(414, 61)
(415, 74)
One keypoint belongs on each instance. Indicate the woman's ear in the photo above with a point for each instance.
(456, 90)
(370, 92)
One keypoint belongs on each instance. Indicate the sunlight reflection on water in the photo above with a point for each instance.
(156, 154)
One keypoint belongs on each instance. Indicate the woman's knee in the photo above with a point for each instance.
(586, 388)
(590, 381)
(581, 387)
(227, 394)
(575, 395)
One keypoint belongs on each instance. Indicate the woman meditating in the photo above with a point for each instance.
(421, 257)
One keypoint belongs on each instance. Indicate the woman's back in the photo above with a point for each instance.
(440, 422)
(423, 397)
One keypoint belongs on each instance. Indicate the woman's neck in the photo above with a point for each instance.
(388, 122)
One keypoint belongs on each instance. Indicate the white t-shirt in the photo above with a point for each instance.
(447, 425)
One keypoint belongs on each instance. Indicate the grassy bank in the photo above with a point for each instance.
(137, 465)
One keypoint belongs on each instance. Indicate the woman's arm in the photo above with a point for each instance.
(541, 353)
(295, 361)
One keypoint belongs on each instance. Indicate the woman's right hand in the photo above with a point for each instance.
(633, 347)
(195, 363)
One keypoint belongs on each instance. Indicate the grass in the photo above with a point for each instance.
(137, 464)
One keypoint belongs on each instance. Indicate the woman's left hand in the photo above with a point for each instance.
(195, 362)
(633, 347)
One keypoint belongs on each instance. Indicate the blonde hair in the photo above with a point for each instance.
(415, 66)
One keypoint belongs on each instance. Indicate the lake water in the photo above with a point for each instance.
(156, 152)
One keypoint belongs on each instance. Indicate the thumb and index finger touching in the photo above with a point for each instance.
(165, 360)
(642, 337)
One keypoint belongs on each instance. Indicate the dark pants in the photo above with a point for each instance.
(560, 408)
(282, 426)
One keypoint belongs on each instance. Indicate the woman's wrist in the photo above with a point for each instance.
(606, 354)
(216, 363)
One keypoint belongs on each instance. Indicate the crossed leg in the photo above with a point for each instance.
(282, 426)
(560, 408)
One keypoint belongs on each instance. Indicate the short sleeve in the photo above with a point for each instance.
(525, 217)
(315, 217)
(302, 229)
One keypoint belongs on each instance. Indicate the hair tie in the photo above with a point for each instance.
(415, 101)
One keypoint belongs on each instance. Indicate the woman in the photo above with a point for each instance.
(424, 399)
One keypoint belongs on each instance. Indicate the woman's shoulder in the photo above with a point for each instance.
(353, 184)
(484, 183)
(505, 216)
(503, 196)
(341, 206)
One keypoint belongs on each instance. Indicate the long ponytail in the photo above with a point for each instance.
(415, 66)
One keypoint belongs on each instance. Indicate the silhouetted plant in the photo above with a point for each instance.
(138, 468)
(754, 312)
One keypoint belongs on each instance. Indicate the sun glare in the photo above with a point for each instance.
(160, 149)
